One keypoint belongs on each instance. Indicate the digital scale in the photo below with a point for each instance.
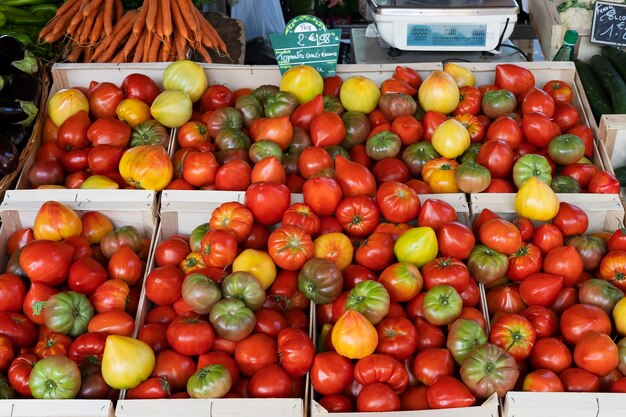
(443, 25)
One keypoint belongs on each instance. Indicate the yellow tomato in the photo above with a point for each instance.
(353, 336)
(303, 81)
(126, 362)
(335, 247)
(619, 316)
(417, 246)
(439, 174)
(55, 221)
(461, 75)
(535, 200)
(133, 111)
(451, 139)
(259, 264)
(99, 181)
(148, 167)
(359, 93)
(65, 103)
(439, 92)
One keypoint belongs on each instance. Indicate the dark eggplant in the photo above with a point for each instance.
(21, 87)
(17, 112)
(16, 134)
(9, 157)
(15, 58)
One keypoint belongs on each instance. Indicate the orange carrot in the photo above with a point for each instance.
(78, 17)
(121, 29)
(153, 6)
(179, 23)
(153, 54)
(139, 49)
(88, 54)
(64, 20)
(146, 46)
(108, 17)
(165, 50)
(67, 6)
(98, 25)
(158, 29)
(205, 55)
(133, 40)
(119, 10)
(75, 53)
(88, 26)
(181, 45)
(140, 22)
(91, 7)
(189, 18)
(118, 58)
(166, 11)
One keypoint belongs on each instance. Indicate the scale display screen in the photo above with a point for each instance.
(446, 35)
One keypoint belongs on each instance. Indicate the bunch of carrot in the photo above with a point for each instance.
(160, 31)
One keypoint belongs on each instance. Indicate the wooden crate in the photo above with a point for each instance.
(546, 21)
(56, 408)
(571, 404)
(17, 212)
(180, 213)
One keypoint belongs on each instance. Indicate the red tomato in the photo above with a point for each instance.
(171, 251)
(500, 235)
(469, 101)
(103, 100)
(431, 364)
(514, 334)
(546, 237)
(567, 298)
(233, 176)
(255, 352)
(327, 129)
(597, 353)
(582, 318)
(539, 129)
(449, 392)
(507, 130)
(376, 252)
(448, 271)
(109, 132)
(579, 380)
(359, 216)
(270, 381)
(544, 321)
(296, 351)
(126, 266)
(141, 87)
(564, 261)
(18, 328)
(613, 267)
(514, 78)
(471, 294)
(377, 397)
(86, 274)
(542, 380)
(428, 335)
(431, 121)
(302, 216)
(560, 91)
(200, 168)
(112, 295)
(12, 292)
(408, 128)
(112, 322)
(541, 289)
(336, 404)
(551, 354)
(268, 201)
(192, 135)
(73, 132)
(164, 314)
(603, 182)
(566, 116)
(397, 337)
(332, 85)
(537, 100)
(155, 335)
(152, 388)
(455, 240)
(312, 160)
(571, 220)
(190, 335)
(526, 261)
(398, 203)
(391, 169)
(19, 373)
(164, 285)
(435, 213)
(175, 367)
(323, 195)
(6, 352)
(216, 96)
(497, 156)
(331, 373)
(303, 115)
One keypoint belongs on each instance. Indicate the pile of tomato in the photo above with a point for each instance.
(70, 281)
(103, 137)
(559, 305)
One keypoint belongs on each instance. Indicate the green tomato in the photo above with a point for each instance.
(383, 145)
(250, 108)
(280, 104)
(245, 287)
(417, 154)
(333, 105)
(200, 293)
(463, 336)
(564, 184)
(442, 305)
(232, 319)
(55, 377)
(335, 150)
(213, 381)
(149, 132)
(486, 265)
(6, 390)
(471, 177)
(496, 103)
(417, 246)
(263, 92)
(358, 127)
(263, 149)
(566, 149)
(369, 298)
(320, 281)
(470, 154)
(531, 165)
(621, 353)
(196, 236)
(232, 138)
(68, 313)
(488, 369)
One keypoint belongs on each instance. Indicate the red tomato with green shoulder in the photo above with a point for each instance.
(513, 333)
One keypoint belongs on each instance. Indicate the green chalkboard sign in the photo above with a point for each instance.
(307, 41)
(609, 24)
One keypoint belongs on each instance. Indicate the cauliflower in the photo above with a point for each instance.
(576, 18)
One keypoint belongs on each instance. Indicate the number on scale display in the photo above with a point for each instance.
(446, 35)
